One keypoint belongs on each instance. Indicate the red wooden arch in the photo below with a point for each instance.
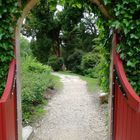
(125, 102)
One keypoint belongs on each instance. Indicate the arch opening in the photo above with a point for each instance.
(27, 8)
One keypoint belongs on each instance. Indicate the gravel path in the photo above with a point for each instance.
(73, 114)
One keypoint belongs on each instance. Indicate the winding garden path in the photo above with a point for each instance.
(73, 114)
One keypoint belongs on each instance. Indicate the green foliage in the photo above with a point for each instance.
(44, 27)
(128, 21)
(55, 62)
(8, 9)
(41, 49)
(70, 17)
(25, 49)
(74, 60)
(89, 63)
(125, 18)
(32, 65)
(53, 31)
(92, 84)
(103, 74)
(36, 78)
(55, 83)
(77, 35)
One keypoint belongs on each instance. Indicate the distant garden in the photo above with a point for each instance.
(68, 37)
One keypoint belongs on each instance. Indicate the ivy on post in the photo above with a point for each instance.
(9, 13)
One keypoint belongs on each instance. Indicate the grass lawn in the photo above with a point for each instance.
(92, 83)
(57, 84)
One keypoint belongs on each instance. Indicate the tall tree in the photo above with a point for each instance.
(44, 29)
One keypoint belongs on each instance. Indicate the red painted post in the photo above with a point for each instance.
(8, 117)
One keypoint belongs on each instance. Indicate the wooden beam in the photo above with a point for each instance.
(30, 4)
(102, 8)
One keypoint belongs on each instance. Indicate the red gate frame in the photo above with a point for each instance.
(8, 115)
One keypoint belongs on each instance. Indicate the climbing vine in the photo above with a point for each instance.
(124, 16)
(9, 12)
(127, 20)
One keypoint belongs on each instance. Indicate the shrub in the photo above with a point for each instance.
(36, 78)
(55, 62)
(41, 48)
(25, 49)
(89, 63)
(91, 72)
(89, 60)
(30, 64)
(103, 74)
(74, 60)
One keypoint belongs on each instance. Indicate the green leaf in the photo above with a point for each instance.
(131, 64)
(134, 36)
